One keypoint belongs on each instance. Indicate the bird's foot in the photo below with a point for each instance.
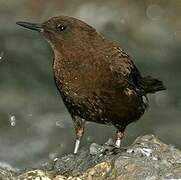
(79, 134)
(112, 148)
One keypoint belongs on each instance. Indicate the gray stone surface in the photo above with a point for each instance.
(146, 159)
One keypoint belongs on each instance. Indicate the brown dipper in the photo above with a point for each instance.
(97, 80)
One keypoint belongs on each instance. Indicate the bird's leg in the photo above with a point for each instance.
(79, 134)
(119, 137)
(79, 130)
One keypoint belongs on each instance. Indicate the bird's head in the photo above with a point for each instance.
(64, 31)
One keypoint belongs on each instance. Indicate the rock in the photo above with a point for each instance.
(7, 172)
(95, 149)
(146, 159)
(99, 171)
(35, 175)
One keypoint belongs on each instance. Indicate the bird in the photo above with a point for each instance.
(97, 80)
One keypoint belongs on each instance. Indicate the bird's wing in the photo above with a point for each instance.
(123, 69)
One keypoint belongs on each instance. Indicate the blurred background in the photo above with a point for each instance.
(33, 120)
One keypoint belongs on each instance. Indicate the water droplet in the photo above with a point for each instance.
(12, 120)
(154, 12)
(60, 124)
(1, 56)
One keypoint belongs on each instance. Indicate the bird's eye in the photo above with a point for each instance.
(61, 27)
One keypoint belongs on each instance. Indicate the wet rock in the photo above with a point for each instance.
(7, 172)
(146, 159)
(95, 149)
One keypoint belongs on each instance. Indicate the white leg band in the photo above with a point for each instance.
(118, 143)
(77, 143)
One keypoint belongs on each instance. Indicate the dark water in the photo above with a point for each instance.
(33, 120)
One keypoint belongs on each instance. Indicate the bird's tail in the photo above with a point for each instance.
(151, 85)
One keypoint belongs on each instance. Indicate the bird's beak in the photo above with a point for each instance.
(32, 26)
